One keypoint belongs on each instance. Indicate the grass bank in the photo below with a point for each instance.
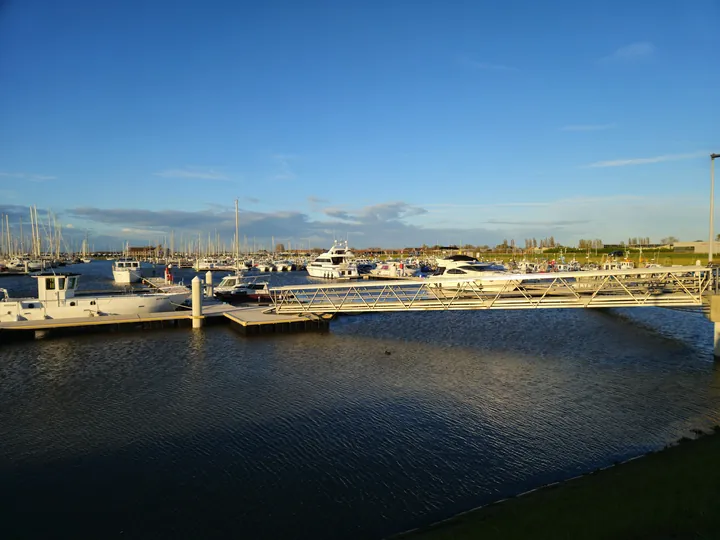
(674, 493)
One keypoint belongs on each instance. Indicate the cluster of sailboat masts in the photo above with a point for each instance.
(43, 242)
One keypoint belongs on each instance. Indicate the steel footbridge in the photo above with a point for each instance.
(679, 287)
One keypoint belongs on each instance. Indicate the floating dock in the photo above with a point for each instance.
(247, 320)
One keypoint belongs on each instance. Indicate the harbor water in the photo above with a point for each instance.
(384, 423)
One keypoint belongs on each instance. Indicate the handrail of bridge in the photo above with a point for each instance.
(657, 286)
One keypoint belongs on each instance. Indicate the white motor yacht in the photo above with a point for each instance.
(336, 263)
(57, 299)
(454, 271)
(126, 270)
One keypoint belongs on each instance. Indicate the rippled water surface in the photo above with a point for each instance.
(385, 423)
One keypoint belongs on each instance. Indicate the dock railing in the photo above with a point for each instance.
(683, 286)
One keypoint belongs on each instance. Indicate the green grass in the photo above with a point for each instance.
(670, 494)
(664, 258)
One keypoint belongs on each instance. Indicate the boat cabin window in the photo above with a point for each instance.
(50, 284)
(61, 283)
(456, 271)
(439, 271)
(476, 268)
(339, 251)
(337, 260)
(73, 283)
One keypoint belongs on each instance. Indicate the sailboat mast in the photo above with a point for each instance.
(237, 232)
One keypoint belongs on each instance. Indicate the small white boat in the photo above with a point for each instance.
(24, 263)
(239, 288)
(208, 263)
(336, 263)
(86, 260)
(393, 269)
(284, 266)
(265, 266)
(126, 270)
(617, 265)
(57, 300)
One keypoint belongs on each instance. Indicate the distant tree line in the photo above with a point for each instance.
(637, 241)
(595, 243)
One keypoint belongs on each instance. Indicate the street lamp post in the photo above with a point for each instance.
(712, 206)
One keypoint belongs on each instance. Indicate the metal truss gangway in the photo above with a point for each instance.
(679, 286)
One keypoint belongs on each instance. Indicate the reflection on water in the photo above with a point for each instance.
(386, 422)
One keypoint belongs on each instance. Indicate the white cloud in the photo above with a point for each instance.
(611, 217)
(644, 161)
(316, 200)
(141, 232)
(487, 205)
(587, 127)
(284, 172)
(194, 173)
(27, 176)
(635, 51)
(485, 66)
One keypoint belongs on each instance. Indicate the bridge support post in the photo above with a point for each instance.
(197, 303)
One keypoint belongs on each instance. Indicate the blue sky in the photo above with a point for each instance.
(396, 123)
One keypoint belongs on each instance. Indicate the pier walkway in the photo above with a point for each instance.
(251, 319)
(683, 286)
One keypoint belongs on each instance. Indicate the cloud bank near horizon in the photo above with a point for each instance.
(389, 224)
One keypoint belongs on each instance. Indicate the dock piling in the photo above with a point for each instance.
(714, 315)
(209, 284)
(197, 303)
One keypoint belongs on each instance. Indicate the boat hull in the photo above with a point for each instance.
(32, 309)
(232, 297)
(332, 272)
